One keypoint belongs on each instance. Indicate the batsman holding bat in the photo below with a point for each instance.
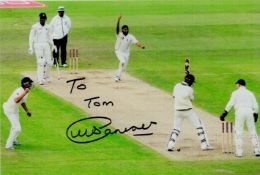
(183, 94)
(122, 48)
(11, 110)
(246, 109)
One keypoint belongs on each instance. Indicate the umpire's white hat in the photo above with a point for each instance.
(61, 9)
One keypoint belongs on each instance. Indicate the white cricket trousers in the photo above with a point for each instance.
(15, 128)
(44, 60)
(123, 61)
(245, 115)
(194, 120)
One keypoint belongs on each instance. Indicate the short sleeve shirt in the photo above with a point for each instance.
(10, 106)
(183, 95)
(123, 42)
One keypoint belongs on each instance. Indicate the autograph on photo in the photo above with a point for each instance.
(88, 133)
(83, 130)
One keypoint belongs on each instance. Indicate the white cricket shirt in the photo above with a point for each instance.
(10, 106)
(242, 98)
(123, 42)
(60, 26)
(183, 95)
(40, 34)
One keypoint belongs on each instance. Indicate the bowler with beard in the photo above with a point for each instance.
(122, 47)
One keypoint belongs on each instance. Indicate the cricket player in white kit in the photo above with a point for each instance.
(183, 95)
(122, 48)
(40, 39)
(246, 109)
(11, 110)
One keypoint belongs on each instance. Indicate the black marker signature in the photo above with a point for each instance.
(80, 87)
(83, 133)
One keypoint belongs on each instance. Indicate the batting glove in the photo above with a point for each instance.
(30, 51)
(255, 117)
(223, 115)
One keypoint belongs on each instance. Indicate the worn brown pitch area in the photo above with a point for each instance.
(135, 103)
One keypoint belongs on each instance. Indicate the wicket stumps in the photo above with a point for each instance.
(74, 60)
(227, 137)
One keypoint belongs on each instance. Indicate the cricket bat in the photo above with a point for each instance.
(57, 69)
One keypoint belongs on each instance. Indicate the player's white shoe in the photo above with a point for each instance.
(9, 148)
(239, 153)
(48, 80)
(207, 148)
(257, 152)
(16, 142)
(40, 82)
(170, 146)
(117, 79)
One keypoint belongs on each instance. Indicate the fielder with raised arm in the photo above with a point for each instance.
(246, 109)
(40, 39)
(183, 95)
(122, 47)
(11, 110)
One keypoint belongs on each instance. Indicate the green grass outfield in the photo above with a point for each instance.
(221, 38)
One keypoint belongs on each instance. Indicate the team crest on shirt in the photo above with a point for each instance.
(124, 38)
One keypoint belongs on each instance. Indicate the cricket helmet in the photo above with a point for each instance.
(26, 82)
(189, 79)
(241, 82)
(43, 16)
